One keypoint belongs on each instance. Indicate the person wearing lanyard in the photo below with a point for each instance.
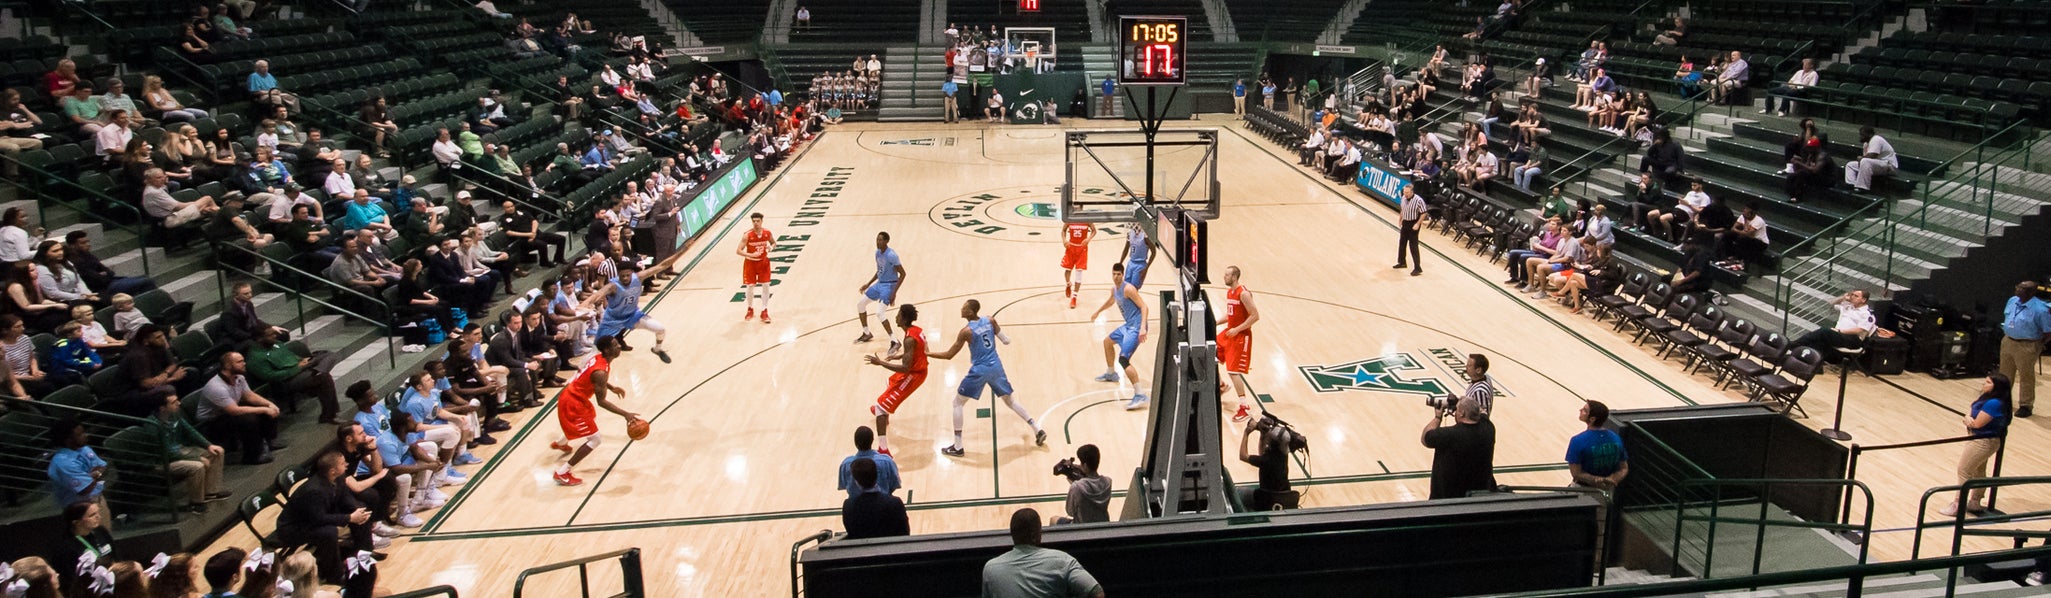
(1987, 424)
(86, 521)
(2023, 326)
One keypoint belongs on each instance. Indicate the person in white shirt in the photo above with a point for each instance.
(1797, 84)
(158, 203)
(1877, 160)
(17, 239)
(113, 137)
(338, 183)
(1854, 322)
(445, 149)
(804, 18)
(1684, 210)
(1748, 243)
(280, 210)
(610, 77)
(875, 66)
(1310, 147)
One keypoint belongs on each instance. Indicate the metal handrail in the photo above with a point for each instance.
(630, 573)
(797, 548)
(99, 422)
(299, 297)
(1766, 486)
(1959, 521)
(1696, 105)
(137, 226)
(1854, 575)
(1882, 229)
(432, 592)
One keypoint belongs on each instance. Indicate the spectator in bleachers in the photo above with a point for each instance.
(94, 333)
(279, 210)
(1876, 158)
(480, 259)
(168, 211)
(1672, 222)
(320, 506)
(195, 46)
(26, 300)
(232, 410)
(490, 115)
(263, 88)
(1542, 246)
(61, 81)
(223, 572)
(1687, 80)
(194, 463)
(1480, 166)
(1811, 171)
(336, 179)
(378, 116)
(306, 236)
(128, 321)
(421, 225)
(78, 251)
(446, 273)
(17, 238)
(1525, 172)
(315, 154)
(445, 150)
(1672, 36)
(25, 378)
(34, 578)
(117, 98)
(1735, 74)
(350, 270)
(223, 160)
(228, 225)
(92, 545)
(135, 160)
(57, 280)
(494, 12)
(265, 173)
(1603, 112)
(1595, 56)
(272, 362)
(1747, 242)
(184, 156)
(1664, 158)
(77, 474)
(1599, 85)
(111, 140)
(240, 323)
(17, 130)
(1691, 277)
(1530, 125)
(1797, 84)
(363, 214)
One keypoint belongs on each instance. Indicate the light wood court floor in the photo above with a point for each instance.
(751, 420)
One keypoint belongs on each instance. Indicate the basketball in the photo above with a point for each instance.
(637, 429)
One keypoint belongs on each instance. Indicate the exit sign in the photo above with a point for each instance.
(1029, 5)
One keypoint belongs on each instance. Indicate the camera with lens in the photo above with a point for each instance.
(1280, 432)
(1442, 402)
(1068, 468)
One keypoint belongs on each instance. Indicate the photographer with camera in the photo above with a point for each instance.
(1464, 460)
(1272, 493)
(1089, 493)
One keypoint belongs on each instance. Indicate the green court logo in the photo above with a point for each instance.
(1373, 375)
(1043, 211)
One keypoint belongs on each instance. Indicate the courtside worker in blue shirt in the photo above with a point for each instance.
(2024, 324)
(1596, 457)
(886, 468)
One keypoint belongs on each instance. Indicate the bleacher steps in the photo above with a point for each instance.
(93, 231)
(901, 93)
(201, 288)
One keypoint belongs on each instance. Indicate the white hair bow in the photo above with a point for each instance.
(15, 589)
(363, 562)
(284, 587)
(259, 559)
(102, 582)
(157, 565)
(86, 562)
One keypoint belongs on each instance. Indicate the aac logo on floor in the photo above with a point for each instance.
(1399, 373)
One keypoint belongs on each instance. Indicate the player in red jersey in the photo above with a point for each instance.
(1075, 258)
(754, 254)
(1235, 342)
(910, 368)
(574, 410)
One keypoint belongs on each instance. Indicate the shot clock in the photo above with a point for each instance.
(1150, 50)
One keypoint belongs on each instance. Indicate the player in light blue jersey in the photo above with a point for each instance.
(981, 335)
(881, 291)
(1120, 344)
(1138, 254)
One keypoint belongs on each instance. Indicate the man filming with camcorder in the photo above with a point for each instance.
(1463, 460)
(1277, 439)
(1089, 493)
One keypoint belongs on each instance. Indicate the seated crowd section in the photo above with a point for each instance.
(1643, 166)
(244, 207)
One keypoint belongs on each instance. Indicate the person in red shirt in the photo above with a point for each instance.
(1075, 257)
(910, 372)
(754, 252)
(575, 412)
(1235, 342)
(58, 83)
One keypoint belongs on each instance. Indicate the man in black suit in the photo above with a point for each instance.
(872, 514)
(317, 508)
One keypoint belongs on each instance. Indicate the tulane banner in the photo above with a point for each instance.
(1382, 181)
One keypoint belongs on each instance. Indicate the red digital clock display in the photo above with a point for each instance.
(1029, 5)
(1150, 50)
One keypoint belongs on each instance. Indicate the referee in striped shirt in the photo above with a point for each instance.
(1406, 237)
(1481, 387)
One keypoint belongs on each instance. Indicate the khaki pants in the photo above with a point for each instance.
(1973, 463)
(13, 147)
(198, 471)
(2019, 363)
(1239, 104)
(950, 110)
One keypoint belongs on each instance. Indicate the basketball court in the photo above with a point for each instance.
(751, 420)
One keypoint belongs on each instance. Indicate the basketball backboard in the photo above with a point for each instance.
(1108, 173)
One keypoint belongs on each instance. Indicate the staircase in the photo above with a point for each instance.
(911, 83)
